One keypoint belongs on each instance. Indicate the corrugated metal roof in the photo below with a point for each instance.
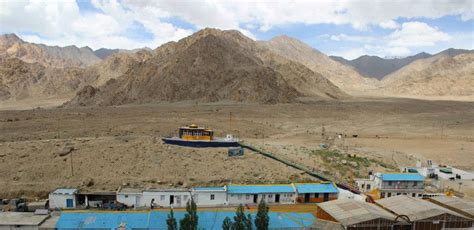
(349, 212)
(255, 189)
(414, 208)
(316, 188)
(209, 189)
(402, 177)
(455, 203)
(65, 191)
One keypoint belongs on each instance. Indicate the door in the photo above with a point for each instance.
(137, 201)
(69, 203)
(306, 197)
(171, 199)
(326, 196)
(277, 198)
(255, 198)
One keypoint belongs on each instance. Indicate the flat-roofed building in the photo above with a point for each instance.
(315, 192)
(209, 196)
(456, 204)
(21, 220)
(165, 197)
(131, 197)
(424, 214)
(63, 198)
(381, 185)
(353, 214)
(253, 194)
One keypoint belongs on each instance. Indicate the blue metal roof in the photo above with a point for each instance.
(402, 177)
(255, 189)
(316, 188)
(157, 219)
(209, 189)
(65, 191)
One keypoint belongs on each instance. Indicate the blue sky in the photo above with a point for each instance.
(344, 28)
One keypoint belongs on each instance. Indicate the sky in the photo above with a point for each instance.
(344, 28)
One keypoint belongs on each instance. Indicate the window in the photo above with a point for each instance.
(162, 197)
(247, 197)
(415, 183)
(368, 186)
(270, 195)
(413, 194)
(231, 195)
(389, 194)
(126, 196)
(389, 183)
(316, 195)
(185, 197)
(212, 196)
(363, 186)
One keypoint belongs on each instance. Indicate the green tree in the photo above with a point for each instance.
(262, 219)
(242, 222)
(227, 224)
(190, 220)
(171, 221)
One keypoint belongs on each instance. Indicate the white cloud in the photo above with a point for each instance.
(61, 21)
(389, 24)
(417, 34)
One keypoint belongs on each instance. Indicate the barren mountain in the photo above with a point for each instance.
(341, 75)
(104, 53)
(11, 46)
(377, 67)
(211, 65)
(20, 80)
(440, 75)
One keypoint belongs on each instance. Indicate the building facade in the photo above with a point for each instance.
(209, 196)
(253, 194)
(382, 185)
(63, 198)
(315, 192)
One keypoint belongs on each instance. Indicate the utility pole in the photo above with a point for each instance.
(72, 168)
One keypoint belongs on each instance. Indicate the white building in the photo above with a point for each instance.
(209, 196)
(253, 194)
(165, 198)
(392, 184)
(131, 197)
(63, 198)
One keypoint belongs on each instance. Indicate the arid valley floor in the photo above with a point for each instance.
(115, 146)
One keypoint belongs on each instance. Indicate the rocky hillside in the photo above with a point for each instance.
(211, 65)
(21, 80)
(11, 46)
(341, 75)
(440, 75)
(377, 67)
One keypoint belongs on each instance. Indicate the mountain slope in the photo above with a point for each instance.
(440, 75)
(342, 76)
(211, 65)
(11, 46)
(20, 80)
(376, 67)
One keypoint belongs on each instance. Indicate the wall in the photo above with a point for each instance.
(321, 214)
(59, 201)
(162, 198)
(315, 198)
(203, 198)
(236, 199)
(402, 185)
(129, 199)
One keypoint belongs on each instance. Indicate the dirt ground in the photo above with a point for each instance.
(115, 146)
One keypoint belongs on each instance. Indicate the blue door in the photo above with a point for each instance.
(69, 203)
